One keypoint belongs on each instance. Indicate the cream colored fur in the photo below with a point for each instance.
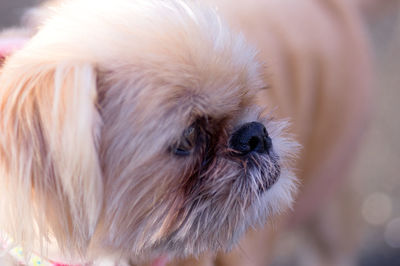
(92, 105)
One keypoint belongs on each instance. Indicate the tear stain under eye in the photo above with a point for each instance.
(191, 138)
(206, 149)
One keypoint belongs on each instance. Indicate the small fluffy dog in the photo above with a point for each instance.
(138, 129)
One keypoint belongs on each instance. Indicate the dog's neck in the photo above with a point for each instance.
(54, 258)
(21, 258)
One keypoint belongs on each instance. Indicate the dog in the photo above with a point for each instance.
(135, 130)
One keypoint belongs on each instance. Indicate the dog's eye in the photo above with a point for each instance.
(187, 141)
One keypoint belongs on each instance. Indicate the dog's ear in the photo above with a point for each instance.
(50, 176)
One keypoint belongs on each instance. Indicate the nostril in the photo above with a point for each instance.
(253, 143)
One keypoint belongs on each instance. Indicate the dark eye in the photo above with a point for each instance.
(187, 142)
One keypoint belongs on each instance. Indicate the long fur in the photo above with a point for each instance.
(89, 110)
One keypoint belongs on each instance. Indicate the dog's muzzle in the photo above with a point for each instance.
(252, 145)
(251, 137)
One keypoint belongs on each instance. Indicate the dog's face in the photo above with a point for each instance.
(132, 126)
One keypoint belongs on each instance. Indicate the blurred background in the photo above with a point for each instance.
(376, 172)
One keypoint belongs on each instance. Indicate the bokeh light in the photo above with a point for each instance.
(377, 208)
(392, 233)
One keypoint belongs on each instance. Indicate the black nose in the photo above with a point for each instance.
(251, 137)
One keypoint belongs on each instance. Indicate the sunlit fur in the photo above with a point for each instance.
(90, 109)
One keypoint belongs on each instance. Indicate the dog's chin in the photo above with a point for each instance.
(263, 171)
(261, 189)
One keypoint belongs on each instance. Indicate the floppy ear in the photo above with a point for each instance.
(50, 177)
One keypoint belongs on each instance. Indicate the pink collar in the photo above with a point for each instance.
(34, 260)
(17, 253)
(9, 45)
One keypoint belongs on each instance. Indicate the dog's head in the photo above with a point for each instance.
(131, 126)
